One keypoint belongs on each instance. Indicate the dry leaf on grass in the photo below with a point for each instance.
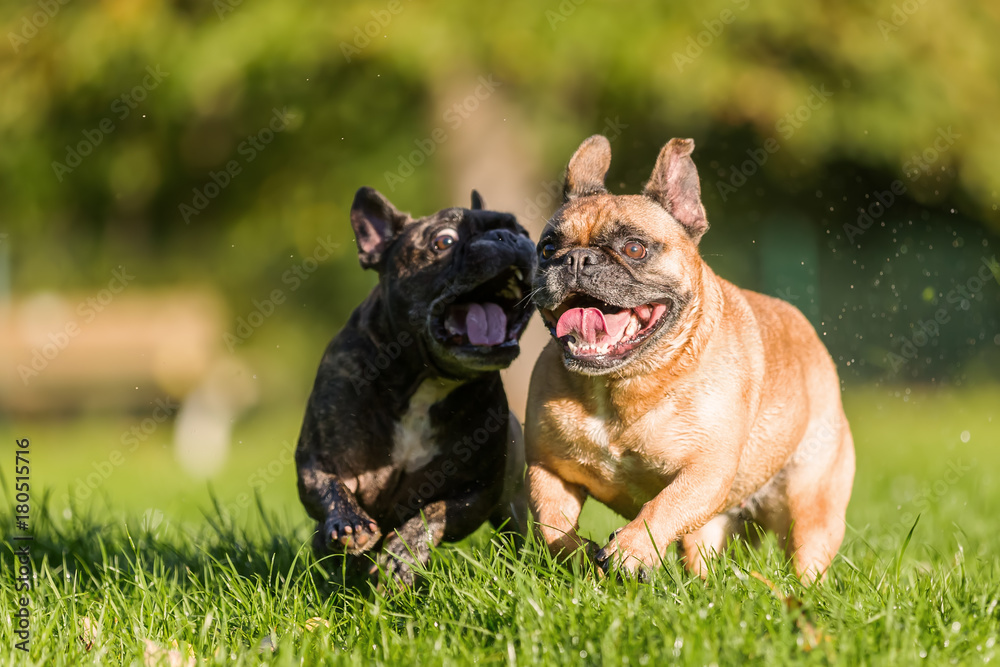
(155, 655)
(315, 622)
(89, 631)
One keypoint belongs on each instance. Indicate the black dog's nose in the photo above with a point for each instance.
(504, 235)
(579, 260)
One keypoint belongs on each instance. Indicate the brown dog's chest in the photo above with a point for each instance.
(616, 463)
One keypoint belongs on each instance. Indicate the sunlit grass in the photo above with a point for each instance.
(131, 571)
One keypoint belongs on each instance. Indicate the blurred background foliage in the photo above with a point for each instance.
(847, 92)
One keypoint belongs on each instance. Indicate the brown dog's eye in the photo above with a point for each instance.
(635, 250)
(445, 239)
(548, 250)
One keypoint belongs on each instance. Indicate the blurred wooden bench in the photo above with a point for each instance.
(61, 355)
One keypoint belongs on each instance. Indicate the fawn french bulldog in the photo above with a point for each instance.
(688, 405)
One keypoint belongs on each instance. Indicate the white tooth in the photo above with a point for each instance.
(517, 292)
(633, 327)
(517, 272)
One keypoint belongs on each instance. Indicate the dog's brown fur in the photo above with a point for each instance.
(732, 416)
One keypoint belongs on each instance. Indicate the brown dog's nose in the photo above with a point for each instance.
(579, 260)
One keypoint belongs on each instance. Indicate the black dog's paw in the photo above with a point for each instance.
(391, 572)
(397, 561)
(354, 533)
(398, 572)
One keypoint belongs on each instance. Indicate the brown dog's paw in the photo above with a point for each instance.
(623, 556)
(353, 533)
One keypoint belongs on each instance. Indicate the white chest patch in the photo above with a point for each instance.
(596, 430)
(413, 444)
(596, 426)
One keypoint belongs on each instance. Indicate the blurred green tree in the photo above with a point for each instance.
(139, 129)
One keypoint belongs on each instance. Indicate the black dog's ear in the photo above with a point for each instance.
(674, 185)
(587, 168)
(375, 221)
(477, 201)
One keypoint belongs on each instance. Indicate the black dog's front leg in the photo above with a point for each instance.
(443, 520)
(342, 524)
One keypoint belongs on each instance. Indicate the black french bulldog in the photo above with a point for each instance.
(407, 439)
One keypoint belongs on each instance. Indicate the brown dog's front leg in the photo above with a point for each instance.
(556, 505)
(691, 499)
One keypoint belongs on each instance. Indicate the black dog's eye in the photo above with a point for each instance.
(635, 250)
(445, 239)
(548, 250)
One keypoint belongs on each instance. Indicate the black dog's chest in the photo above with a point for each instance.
(441, 442)
(414, 434)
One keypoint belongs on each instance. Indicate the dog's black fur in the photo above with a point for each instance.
(395, 351)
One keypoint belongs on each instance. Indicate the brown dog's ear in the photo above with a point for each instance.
(376, 222)
(675, 186)
(587, 168)
(477, 201)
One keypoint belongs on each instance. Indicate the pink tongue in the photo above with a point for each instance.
(486, 324)
(592, 326)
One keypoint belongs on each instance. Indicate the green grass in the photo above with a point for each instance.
(147, 557)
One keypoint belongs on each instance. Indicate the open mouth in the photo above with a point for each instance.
(491, 315)
(591, 329)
